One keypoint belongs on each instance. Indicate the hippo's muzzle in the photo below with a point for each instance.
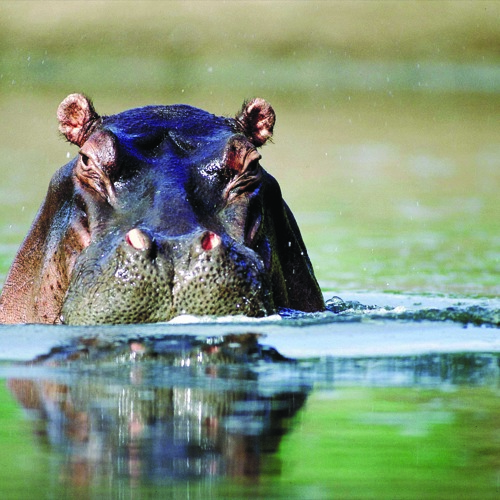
(144, 279)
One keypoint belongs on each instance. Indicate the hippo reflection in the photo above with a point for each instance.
(148, 419)
(165, 211)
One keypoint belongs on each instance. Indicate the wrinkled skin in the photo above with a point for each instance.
(166, 210)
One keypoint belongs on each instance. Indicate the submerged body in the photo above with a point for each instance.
(166, 210)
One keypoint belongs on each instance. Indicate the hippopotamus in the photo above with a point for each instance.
(165, 211)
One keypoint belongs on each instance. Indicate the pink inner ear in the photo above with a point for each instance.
(72, 132)
(76, 114)
(264, 129)
(257, 119)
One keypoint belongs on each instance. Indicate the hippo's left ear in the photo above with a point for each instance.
(77, 118)
(256, 120)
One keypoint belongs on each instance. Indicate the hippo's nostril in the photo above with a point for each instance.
(210, 240)
(138, 239)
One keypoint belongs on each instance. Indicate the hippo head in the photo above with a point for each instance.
(165, 211)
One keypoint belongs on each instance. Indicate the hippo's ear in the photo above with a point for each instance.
(256, 120)
(76, 116)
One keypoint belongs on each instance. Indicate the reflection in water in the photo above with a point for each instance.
(175, 409)
(431, 370)
(186, 412)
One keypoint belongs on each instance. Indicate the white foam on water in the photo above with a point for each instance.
(186, 319)
(316, 335)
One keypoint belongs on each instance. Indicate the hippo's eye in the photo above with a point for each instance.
(85, 159)
(253, 167)
(249, 175)
(96, 176)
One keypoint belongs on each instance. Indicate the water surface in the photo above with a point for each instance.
(373, 401)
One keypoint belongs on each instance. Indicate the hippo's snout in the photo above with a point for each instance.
(142, 278)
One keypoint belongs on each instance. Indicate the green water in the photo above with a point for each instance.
(400, 427)
(396, 443)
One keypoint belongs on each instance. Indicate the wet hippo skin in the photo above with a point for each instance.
(165, 211)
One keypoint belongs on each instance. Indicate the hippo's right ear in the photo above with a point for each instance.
(77, 118)
(257, 119)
